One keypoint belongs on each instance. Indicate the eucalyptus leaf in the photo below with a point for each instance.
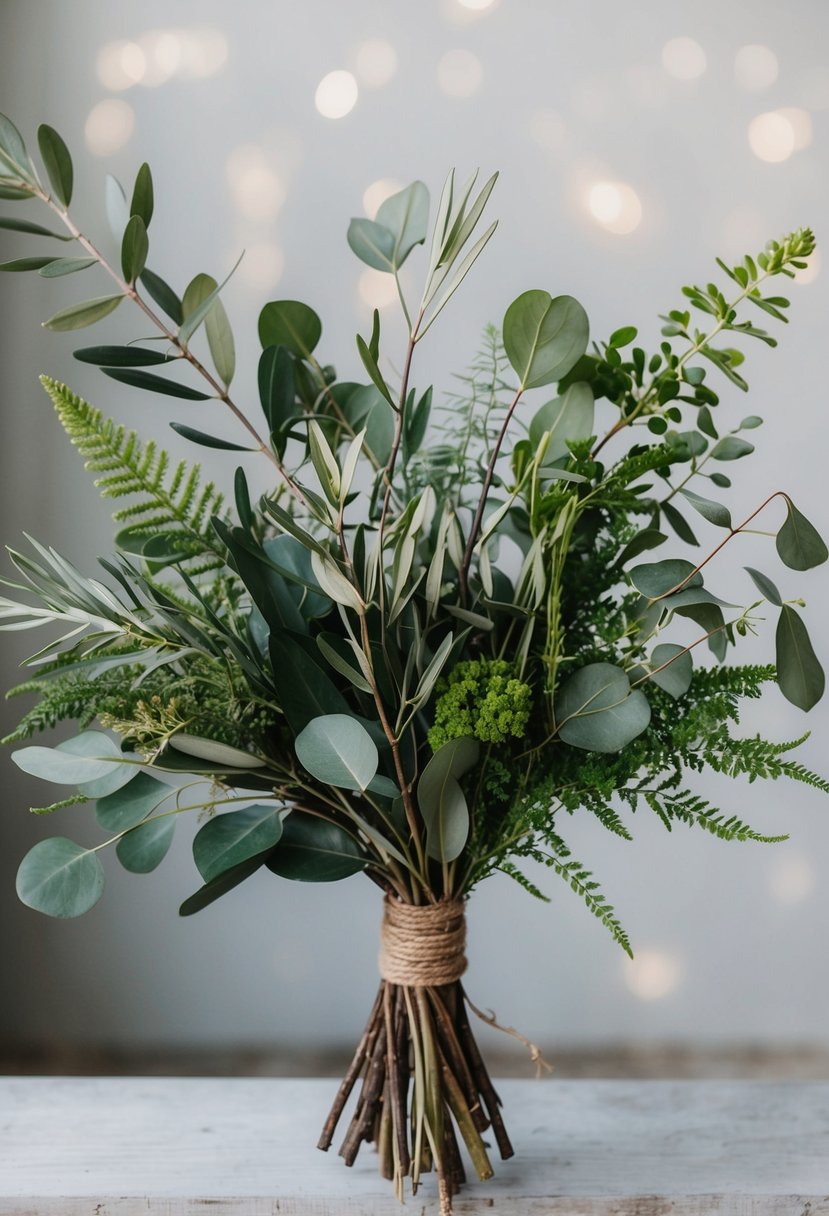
(235, 836)
(315, 850)
(216, 753)
(568, 417)
(87, 757)
(372, 243)
(122, 356)
(14, 225)
(304, 690)
(163, 295)
(143, 848)
(406, 215)
(78, 316)
(118, 213)
(225, 882)
(291, 324)
(799, 674)
(655, 579)
(18, 265)
(135, 246)
(799, 543)
(714, 512)
(13, 150)
(127, 806)
(544, 337)
(208, 441)
(198, 300)
(277, 387)
(56, 268)
(441, 800)
(142, 195)
(597, 710)
(679, 523)
(731, 447)
(58, 162)
(676, 678)
(60, 878)
(765, 586)
(338, 751)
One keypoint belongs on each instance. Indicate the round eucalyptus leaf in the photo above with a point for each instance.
(731, 447)
(569, 416)
(336, 749)
(714, 512)
(676, 677)
(442, 801)
(59, 878)
(88, 757)
(228, 839)
(292, 324)
(654, 579)
(314, 850)
(145, 847)
(765, 586)
(124, 808)
(406, 215)
(372, 243)
(544, 337)
(597, 710)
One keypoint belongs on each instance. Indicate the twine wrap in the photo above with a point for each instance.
(422, 946)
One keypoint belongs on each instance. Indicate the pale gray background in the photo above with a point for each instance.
(737, 933)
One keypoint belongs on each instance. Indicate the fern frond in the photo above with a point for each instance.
(688, 808)
(166, 500)
(582, 882)
(520, 877)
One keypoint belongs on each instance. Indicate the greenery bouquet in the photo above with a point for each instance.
(440, 633)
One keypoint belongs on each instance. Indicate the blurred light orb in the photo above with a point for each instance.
(163, 50)
(792, 880)
(108, 126)
(548, 129)
(257, 190)
(810, 271)
(460, 73)
(376, 194)
(616, 206)
(120, 65)
(376, 289)
(653, 974)
(376, 63)
(771, 137)
(476, 5)
(801, 124)
(263, 265)
(755, 67)
(336, 94)
(204, 53)
(684, 58)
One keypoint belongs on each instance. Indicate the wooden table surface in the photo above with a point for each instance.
(124, 1146)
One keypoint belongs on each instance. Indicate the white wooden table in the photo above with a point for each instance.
(120, 1147)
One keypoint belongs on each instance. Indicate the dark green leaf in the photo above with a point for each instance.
(154, 384)
(799, 544)
(135, 246)
(13, 150)
(292, 324)
(597, 710)
(304, 690)
(163, 295)
(676, 678)
(145, 847)
(714, 512)
(441, 800)
(277, 387)
(220, 886)
(199, 298)
(765, 586)
(679, 523)
(133, 802)
(655, 579)
(58, 162)
(142, 195)
(648, 538)
(229, 839)
(370, 364)
(367, 407)
(21, 264)
(122, 356)
(241, 494)
(14, 225)
(208, 441)
(78, 316)
(59, 878)
(799, 673)
(544, 337)
(58, 267)
(622, 337)
(314, 850)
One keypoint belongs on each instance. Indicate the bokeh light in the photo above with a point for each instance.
(460, 73)
(801, 124)
(377, 193)
(755, 67)
(336, 94)
(257, 189)
(262, 266)
(376, 289)
(376, 63)
(477, 5)
(615, 206)
(653, 974)
(771, 137)
(792, 880)
(684, 59)
(548, 129)
(120, 65)
(109, 126)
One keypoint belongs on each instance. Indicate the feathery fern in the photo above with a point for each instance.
(168, 500)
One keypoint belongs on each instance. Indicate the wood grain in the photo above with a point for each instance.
(123, 1146)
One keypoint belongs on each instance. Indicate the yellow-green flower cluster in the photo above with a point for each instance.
(482, 698)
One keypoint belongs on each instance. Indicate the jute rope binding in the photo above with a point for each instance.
(422, 946)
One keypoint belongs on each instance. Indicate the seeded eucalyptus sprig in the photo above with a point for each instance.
(370, 678)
